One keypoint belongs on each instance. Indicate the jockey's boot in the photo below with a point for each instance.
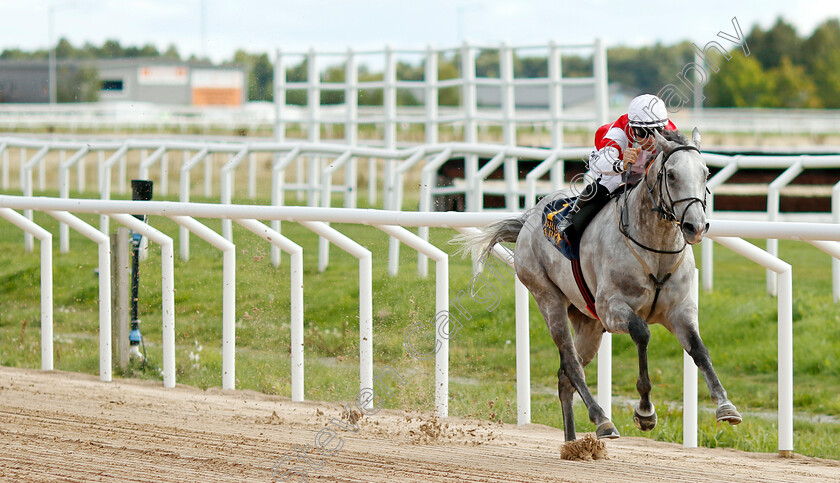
(588, 204)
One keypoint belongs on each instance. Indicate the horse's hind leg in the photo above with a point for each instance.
(554, 307)
(566, 393)
(553, 310)
(588, 335)
(565, 387)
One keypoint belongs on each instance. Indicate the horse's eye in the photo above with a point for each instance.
(670, 175)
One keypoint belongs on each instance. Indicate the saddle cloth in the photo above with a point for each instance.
(568, 244)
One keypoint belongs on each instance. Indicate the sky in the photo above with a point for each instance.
(265, 25)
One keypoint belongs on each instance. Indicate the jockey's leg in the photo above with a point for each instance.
(588, 204)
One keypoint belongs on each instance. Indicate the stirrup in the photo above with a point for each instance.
(563, 224)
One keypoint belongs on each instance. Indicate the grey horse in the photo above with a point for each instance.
(634, 256)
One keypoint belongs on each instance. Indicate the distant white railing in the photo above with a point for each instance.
(135, 116)
(478, 97)
(315, 218)
(468, 114)
(759, 121)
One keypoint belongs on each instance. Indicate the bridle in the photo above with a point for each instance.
(666, 211)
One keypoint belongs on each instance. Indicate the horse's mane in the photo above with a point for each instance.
(675, 136)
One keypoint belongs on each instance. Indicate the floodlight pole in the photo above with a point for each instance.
(52, 68)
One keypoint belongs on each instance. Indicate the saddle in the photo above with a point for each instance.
(569, 242)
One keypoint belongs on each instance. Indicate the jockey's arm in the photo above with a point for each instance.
(607, 161)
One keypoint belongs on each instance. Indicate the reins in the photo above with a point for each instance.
(665, 213)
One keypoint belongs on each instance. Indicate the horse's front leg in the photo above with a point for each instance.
(622, 319)
(683, 324)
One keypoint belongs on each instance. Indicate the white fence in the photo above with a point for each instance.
(260, 117)
(317, 165)
(429, 88)
(322, 67)
(392, 222)
(135, 116)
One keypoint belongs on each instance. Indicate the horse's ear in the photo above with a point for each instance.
(662, 144)
(695, 137)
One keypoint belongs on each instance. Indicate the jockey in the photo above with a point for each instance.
(627, 144)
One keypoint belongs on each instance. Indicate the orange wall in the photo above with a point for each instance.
(216, 96)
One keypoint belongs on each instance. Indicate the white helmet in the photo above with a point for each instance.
(647, 110)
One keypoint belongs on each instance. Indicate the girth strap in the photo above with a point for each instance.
(584, 289)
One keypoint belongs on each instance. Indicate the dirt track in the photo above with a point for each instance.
(68, 427)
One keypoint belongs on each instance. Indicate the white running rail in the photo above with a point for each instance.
(331, 158)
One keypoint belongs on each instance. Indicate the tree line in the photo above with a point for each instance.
(783, 70)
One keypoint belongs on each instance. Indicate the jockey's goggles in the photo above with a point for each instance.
(644, 132)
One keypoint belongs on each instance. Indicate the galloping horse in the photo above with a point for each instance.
(635, 258)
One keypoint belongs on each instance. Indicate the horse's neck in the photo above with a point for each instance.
(644, 223)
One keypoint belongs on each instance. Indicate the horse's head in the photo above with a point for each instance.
(680, 186)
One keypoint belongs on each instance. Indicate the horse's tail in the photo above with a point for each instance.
(479, 242)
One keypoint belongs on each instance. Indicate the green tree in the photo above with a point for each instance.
(64, 49)
(17, 54)
(821, 54)
(487, 63)
(741, 82)
(260, 75)
(369, 97)
(147, 50)
(530, 67)
(333, 74)
(111, 49)
(791, 87)
(449, 68)
(78, 84)
(780, 41)
(172, 52)
(577, 66)
(408, 72)
(648, 69)
(297, 74)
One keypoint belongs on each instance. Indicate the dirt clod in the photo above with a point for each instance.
(584, 449)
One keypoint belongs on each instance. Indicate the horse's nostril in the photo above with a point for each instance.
(688, 227)
(707, 227)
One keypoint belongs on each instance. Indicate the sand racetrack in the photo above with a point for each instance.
(58, 426)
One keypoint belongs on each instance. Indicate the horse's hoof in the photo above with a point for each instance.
(607, 430)
(728, 413)
(644, 423)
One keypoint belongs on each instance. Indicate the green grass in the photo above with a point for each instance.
(738, 323)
